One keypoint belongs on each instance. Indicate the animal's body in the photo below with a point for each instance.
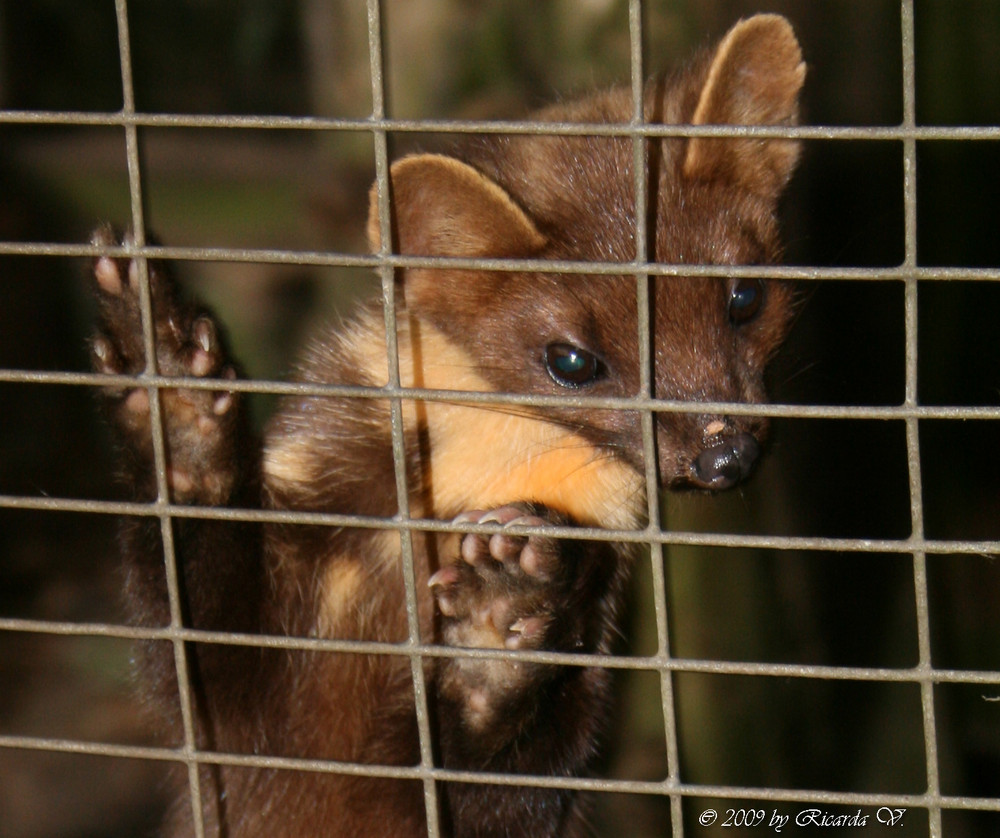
(559, 197)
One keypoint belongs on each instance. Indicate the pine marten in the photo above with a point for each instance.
(710, 201)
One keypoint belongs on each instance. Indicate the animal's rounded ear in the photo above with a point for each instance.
(443, 207)
(753, 78)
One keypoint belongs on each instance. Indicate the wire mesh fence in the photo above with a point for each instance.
(687, 790)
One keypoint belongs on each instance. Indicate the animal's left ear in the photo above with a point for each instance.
(753, 78)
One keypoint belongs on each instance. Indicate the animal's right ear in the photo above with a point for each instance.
(444, 207)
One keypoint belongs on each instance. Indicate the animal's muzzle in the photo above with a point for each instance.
(725, 463)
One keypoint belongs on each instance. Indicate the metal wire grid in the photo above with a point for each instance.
(386, 263)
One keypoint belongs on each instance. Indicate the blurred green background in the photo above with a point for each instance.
(308, 190)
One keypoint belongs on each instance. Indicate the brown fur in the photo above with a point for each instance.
(712, 201)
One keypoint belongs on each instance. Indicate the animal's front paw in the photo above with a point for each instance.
(197, 421)
(507, 589)
(510, 590)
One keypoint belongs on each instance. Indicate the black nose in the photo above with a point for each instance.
(726, 463)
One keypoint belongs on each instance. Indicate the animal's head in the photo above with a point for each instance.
(710, 201)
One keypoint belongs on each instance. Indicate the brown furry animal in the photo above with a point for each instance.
(711, 200)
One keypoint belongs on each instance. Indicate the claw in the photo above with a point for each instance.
(204, 333)
(504, 515)
(446, 576)
(104, 354)
(524, 630)
(526, 521)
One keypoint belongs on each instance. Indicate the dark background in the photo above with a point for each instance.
(307, 190)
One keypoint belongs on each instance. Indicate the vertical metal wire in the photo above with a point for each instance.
(138, 239)
(640, 169)
(387, 276)
(925, 664)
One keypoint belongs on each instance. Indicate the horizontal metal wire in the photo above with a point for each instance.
(509, 399)
(348, 260)
(846, 798)
(652, 663)
(675, 538)
(452, 126)
(73, 746)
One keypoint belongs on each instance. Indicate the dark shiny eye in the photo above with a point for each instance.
(571, 366)
(745, 300)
